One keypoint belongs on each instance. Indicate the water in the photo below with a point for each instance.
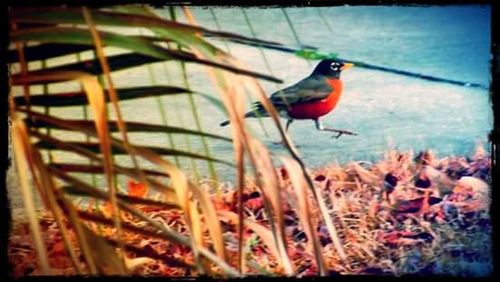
(449, 41)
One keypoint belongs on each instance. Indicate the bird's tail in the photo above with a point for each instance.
(255, 113)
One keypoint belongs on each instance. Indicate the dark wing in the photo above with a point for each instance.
(309, 89)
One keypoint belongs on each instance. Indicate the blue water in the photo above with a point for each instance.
(384, 109)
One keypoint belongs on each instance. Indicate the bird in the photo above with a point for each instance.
(310, 98)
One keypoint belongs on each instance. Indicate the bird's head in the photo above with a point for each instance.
(331, 67)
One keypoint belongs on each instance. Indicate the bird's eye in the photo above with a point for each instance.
(334, 66)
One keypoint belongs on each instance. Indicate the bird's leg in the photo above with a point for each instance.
(288, 123)
(339, 132)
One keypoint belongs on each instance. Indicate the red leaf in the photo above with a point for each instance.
(255, 203)
(136, 189)
(58, 249)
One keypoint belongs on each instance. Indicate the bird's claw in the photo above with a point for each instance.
(337, 136)
(342, 132)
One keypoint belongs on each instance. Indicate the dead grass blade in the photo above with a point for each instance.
(24, 67)
(254, 88)
(265, 234)
(97, 102)
(232, 94)
(300, 185)
(20, 153)
(271, 190)
(47, 190)
(168, 191)
(76, 190)
(45, 51)
(44, 76)
(40, 179)
(101, 258)
(239, 154)
(166, 233)
(108, 264)
(196, 229)
(96, 169)
(330, 226)
(211, 220)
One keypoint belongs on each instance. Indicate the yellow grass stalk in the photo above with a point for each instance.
(24, 68)
(228, 270)
(228, 97)
(329, 225)
(168, 191)
(20, 154)
(179, 180)
(97, 102)
(193, 220)
(271, 190)
(239, 155)
(40, 181)
(255, 88)
(160, 187)
(232, 99)
(99, 259)
(265, 234)
(300, 185)
(211, 218)
(183, 187)
(166, 232)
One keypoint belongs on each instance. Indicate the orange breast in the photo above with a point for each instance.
(318, 108)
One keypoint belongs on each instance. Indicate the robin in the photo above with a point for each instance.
(310, 98)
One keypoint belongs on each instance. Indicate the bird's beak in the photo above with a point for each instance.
(346, 66)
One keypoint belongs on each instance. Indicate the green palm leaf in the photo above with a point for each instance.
(116, 150)
(79, 98)
(131, 127)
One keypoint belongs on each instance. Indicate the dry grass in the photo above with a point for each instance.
(452, 237)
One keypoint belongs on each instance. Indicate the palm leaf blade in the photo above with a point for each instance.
(116, 150)
(146, 49)
(131, 127)
(79, 98)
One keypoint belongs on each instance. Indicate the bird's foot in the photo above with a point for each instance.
(340, 133)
